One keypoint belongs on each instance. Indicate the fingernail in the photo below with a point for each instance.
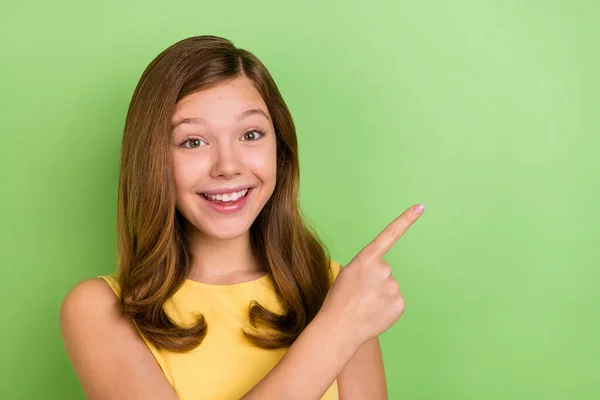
(418, 208)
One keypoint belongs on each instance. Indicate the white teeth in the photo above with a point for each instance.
(228, 196)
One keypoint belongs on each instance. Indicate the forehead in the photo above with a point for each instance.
(227, 98)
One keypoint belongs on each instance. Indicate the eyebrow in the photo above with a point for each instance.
(202, 121)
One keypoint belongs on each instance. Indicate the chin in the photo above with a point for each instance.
(225, 235)
(224, 232)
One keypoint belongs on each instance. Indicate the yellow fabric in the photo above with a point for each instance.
(225, 365)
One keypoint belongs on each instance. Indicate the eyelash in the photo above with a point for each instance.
(187, 139)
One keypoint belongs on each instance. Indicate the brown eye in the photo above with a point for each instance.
(251, 135)
(192, 143)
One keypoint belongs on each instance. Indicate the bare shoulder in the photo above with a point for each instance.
(93, 292)
(91, 303)
(108, 355)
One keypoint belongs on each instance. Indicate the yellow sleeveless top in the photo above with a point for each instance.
(225, 365)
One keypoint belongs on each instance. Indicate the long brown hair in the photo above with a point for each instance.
(154, 256)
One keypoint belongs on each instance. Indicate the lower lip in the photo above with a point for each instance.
(231, 207)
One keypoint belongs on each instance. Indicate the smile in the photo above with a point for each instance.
(226, 197)
(228, 203)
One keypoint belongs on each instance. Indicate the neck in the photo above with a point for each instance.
(221, 260)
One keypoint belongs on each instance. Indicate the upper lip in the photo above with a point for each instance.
(226, 190)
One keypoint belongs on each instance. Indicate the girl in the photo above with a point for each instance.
(222, 291)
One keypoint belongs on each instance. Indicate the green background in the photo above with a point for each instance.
(484, 111)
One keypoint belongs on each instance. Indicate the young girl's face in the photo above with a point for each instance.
(226, 146)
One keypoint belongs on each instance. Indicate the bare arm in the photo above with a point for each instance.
(107, 353)
(364, 376)
(311, 364)
(112, 361)
(363, 302)
(321, 354)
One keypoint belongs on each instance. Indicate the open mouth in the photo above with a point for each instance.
(229, 198)
(229, 202)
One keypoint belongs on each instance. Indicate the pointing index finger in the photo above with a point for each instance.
(385, 240)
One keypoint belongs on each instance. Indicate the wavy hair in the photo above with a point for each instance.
(154, 256)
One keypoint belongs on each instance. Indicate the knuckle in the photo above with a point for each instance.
(365, 264)
(392, 232)
(401, 304)
(386, 270)
(394, 287)
(365, 255)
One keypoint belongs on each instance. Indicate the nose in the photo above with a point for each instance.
(227, 163)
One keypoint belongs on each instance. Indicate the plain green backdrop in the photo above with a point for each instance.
(487, 112)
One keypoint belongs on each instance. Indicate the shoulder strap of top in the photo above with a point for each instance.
(112, 282)
(335, 270)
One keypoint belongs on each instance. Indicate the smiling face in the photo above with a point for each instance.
(223, 142)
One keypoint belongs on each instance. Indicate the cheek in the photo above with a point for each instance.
(185, 171)
(263, 164)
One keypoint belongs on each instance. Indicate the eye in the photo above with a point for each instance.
(252, 134)
(193, 143)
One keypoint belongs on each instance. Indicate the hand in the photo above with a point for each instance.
(365, 300)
